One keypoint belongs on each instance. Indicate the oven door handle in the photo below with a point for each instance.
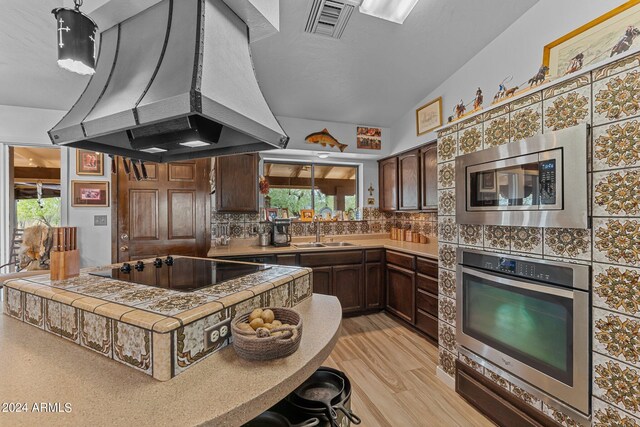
(508, 281)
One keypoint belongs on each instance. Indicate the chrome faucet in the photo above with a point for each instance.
(316, 219)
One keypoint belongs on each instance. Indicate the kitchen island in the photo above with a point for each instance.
(223, 390)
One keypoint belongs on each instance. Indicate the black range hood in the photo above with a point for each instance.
(173, 82)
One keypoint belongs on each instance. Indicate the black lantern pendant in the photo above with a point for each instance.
(76, 36)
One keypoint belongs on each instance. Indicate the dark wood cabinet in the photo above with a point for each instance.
(237, 183)
(374, 286)
(322, 280)
(409, 181)
(347, 286)
(401, 292)
(429, 177)
(388, 184)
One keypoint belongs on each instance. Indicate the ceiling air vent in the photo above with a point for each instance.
(329, 18)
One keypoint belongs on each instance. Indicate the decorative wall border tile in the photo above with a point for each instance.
(33, 310)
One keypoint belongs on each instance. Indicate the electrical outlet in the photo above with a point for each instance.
(216, 335)
(100, 220)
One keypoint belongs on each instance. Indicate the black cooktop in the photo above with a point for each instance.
(180, 274)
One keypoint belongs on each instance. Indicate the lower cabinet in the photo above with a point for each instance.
(347, 286)
(322, 280)
(374, 286)
(401, 292)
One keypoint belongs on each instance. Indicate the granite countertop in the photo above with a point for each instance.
(222, 390)
(428, 250)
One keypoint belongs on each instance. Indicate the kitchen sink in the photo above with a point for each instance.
(339, 244)
(309, 245)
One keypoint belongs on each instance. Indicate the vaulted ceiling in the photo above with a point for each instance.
(373, 75)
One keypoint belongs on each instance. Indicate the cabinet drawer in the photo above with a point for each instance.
(287, 259)
(427, 324)
(427, 267)
(402, 260)
(374, 255)
(331, 258)
(428, 284)
(427, 302)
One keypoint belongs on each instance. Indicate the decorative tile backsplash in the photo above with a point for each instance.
(605, 98)
(373, 222)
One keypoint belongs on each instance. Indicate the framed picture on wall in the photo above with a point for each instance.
(89, 193)
(429, 116)
(271, 213)
(608, 35)
(306, 215)
(89, 163)
(369, 138)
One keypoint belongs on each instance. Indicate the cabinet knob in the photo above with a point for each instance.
(124, 248)
(124, 236)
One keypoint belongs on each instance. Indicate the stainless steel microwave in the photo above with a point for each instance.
(538, 182)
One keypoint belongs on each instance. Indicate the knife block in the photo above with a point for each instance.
(64, 264)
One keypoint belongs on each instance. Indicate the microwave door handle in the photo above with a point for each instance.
(508, 281)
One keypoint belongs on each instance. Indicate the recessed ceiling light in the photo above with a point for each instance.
(153, 150)
(390, 10)
(195, 144)
(323, 155)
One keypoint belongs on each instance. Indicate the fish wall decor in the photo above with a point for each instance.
(324, 138)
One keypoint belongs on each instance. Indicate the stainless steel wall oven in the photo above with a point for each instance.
(540, 181)
(530, 317)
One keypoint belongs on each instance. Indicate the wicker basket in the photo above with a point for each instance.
(250, 347)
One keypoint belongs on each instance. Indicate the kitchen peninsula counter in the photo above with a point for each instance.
(223, 390)
(428, 250)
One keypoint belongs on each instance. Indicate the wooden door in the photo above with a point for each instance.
(237, 183)
(374, 286)
(167, 214)
(388, 183)
(322, 280)
(409, 181)
(401, 292)
(347, 286)
(429, 177)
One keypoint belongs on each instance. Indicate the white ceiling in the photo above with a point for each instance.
(378, 70)
(373, 75)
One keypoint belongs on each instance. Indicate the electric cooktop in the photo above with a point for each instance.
(180, 274)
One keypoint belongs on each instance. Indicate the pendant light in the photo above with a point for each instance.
(76, 40)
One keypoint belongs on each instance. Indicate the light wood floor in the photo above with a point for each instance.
(393, 375)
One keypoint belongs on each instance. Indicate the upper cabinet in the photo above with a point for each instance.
(429, 177)
(388, 183)
(408, 181)
(237, 183)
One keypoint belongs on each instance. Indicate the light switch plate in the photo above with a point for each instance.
(100, 220)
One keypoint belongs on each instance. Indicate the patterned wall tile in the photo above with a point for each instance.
(279, 296)
(447, 202)
(447, 283)
(447, 361)
(526, 240)
(567, 242)
(470, 122)
(448, 130)
(69, 323)
(52, 316)
(446, 175)
(567, 110)
(247, 305)
(605, 415)
(617, 383)
(471, 363)
(470, 140)
(616, 67)
(33, 310)
(616, 193)
(616, 145)
(494, 112)
(496, 131)
(560, 417)
(447, 256)
(525, 101)
(189, 341)
(617, 241)
(497, 378)
(471, 235)
(617, 336)
(616, 288)
(301, 288)
(447, 229)
(566, 86)
(132, 346)
(526, 122)
(174, 304)
(447, 310)
(497, 237)
(447, 336)
(13, 303)
(526, 397)
(95, 333)
(447, 148)
(615, 97)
